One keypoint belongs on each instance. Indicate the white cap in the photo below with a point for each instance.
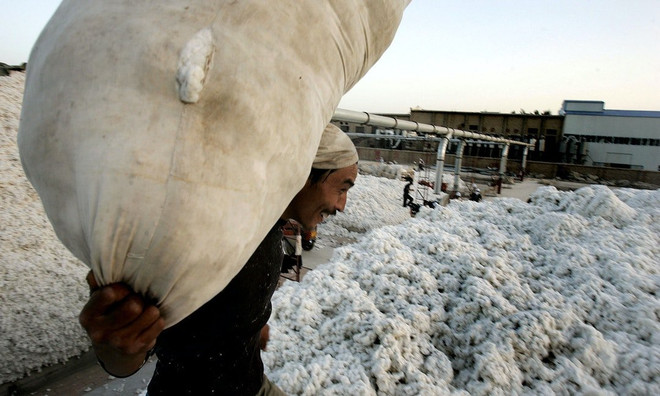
(335, 151)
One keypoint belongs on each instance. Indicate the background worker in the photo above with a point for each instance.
(475, 195)
(217, 348)
(407, 198)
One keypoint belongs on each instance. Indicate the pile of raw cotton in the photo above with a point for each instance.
(388, 171)
(375, 202)
(42, 286)
(559, 296)
(382, 194)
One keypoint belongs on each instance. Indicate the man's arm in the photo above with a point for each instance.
(121, 326)
(264, 336)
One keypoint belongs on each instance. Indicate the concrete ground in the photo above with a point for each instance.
(522, 190)
(83, 376)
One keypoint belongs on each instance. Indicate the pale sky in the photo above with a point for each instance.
(478, 55)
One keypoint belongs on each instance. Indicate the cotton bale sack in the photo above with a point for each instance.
(165, 139)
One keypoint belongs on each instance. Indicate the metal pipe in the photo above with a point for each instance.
(505, 153)
(412, 138)
(524, 159)
(440, 162)
(389, 122)
(457, 164)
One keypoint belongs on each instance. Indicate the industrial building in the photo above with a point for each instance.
(596, 136)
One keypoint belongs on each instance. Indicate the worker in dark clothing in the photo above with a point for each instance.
(475, 195)
(216, 349)
(407, 198)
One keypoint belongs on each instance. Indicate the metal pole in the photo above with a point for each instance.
(440, 162)
(457, 164)
(505, 153)
(524, 159)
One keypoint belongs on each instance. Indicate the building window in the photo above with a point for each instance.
(359, 129)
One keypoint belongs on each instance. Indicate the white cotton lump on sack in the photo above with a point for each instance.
(160, 136)
(559, 296)
(194, 63)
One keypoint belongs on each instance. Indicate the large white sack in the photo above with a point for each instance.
(166, 138)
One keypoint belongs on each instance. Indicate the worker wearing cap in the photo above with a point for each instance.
(217, 348)
(475, 195)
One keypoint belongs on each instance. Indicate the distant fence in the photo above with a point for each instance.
(548, 169)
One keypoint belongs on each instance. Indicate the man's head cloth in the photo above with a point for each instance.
(335, 151)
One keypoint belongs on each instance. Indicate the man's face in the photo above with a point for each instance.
(315, 202)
